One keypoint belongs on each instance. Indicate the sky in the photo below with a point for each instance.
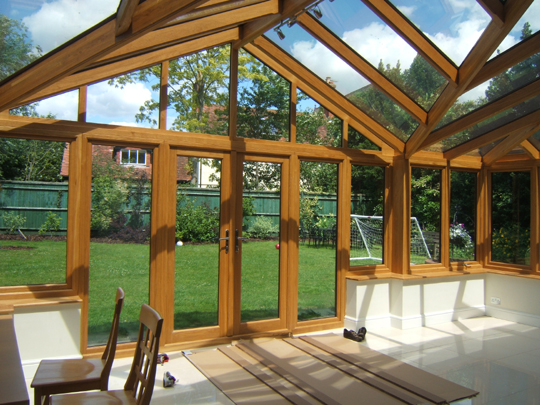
(453, 25)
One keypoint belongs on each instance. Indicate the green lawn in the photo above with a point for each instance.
(196, 281)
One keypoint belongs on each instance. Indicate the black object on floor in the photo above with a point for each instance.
(351, 334)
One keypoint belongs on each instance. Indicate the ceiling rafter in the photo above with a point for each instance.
(211, 8)
(506, 60)
(489, 110)
(530, 149)
(188, 30)
(254, 29)
(86, 77)
(495, 9)
(125, 12)
(492, 36)
(273, 52)
(507, 144)
(88, 47)
(358, 63)
(516, 126)
(415, 38)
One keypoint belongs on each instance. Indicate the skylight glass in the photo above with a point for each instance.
(356, 25)
(62, 107)
(339, 75)
(520, 30)
(453, 25)
(485, 126)
(514, 78)
(535, 139)
(39, 26)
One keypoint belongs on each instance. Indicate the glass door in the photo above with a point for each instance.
(260, 244)
(202, 235)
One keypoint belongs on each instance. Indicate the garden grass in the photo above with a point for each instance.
(196, 281)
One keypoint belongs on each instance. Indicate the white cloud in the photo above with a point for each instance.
(112, 103)
(407, 10)
(58, 21)
(63, 106)
(377, 42)
(325, 63)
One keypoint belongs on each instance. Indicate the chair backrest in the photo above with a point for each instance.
(143, 369)
(110, 349)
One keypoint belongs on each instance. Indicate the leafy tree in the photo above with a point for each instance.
(426, 198)
(16, 49)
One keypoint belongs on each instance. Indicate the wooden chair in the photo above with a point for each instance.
(140, 382)
(74, 375)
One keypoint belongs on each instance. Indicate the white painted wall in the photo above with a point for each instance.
(412, 303)
(519, 298)
(50, 331)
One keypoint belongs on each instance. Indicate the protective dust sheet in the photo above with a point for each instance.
(325, 369)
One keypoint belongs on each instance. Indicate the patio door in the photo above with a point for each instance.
(231, 244)
(260, 244)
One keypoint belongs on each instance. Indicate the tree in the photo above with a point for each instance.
(16, 49)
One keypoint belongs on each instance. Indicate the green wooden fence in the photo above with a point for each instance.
(34, 200)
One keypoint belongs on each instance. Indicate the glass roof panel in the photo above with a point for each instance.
(315, 124)
(520, 31)
(501, 85)
(453, 25)
(485, 126)
(535, 139)
(39, 26)
(63, 106)
(356, 25)
(338, 74)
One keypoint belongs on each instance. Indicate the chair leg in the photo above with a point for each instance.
(39, 398)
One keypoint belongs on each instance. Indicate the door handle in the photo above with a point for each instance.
(226, 239)
(238, 238)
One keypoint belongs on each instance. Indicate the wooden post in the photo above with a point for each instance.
(81, 113)
(164, 95)
(233, 96)
(400, 216)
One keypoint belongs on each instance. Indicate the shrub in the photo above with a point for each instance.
(13, 222)
(195, 223)
(51, 224)
(262, 228)
(511, 245)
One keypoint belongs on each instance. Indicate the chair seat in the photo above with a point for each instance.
(97, 397)
(56, 373)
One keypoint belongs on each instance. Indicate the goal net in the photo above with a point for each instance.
(367, 238)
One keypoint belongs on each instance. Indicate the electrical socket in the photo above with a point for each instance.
(495, 301)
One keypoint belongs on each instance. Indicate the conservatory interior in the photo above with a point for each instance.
(266, 168)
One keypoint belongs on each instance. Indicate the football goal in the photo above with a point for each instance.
(367, 238)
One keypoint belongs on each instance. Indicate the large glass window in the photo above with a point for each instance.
(315, 124)
(367, 220)
(263, 101)
(511, 217)
(462, 216)
(425, 215)
(33, 211)
(119, 244)
(197, 247)
(318, 235)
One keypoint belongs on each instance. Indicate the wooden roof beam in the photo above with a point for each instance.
(98, 74)
(254, 29)
(124, 14)
(324, 91)
(525, 49)
(489, 110)
(529, 121)
(492, 36)
(86, 48)
(507, 144)
(362, 66)
(190, 29)
(495, 9)
(530, 150)
(415, 38)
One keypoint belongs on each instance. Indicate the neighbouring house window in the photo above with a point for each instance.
(133, 157)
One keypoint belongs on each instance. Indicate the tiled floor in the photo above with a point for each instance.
(501, 359)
